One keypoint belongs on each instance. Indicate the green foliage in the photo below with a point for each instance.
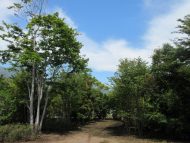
(56, 46)
(47, 47)
(13, 99)
(156, 98)
(12, 133)
(77, 98)
(128, 84)
(173, 87)
(7, 101)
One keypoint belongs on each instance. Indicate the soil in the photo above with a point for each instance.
(106, 131)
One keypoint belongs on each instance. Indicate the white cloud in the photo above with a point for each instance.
(105, 56)
(161, 28)
(5, 15)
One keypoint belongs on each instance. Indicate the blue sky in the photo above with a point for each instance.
(101, 19)
(115, 29)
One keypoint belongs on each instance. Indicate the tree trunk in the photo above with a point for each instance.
(45, 107)
(40, 95)
(31, 105)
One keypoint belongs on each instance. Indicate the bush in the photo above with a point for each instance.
(12, 133)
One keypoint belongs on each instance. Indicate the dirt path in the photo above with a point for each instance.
(99, 132)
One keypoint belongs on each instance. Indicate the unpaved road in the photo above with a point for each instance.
(106, 131)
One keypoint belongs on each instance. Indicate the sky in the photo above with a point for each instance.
(111, 30)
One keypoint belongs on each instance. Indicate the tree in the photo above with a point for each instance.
(28, 8)
(12, 99)
(171, 71)
(128, 84)
(45, 48)
(76, 98)
(6, 98)
(157, 97)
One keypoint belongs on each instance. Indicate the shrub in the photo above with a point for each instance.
(12, 133)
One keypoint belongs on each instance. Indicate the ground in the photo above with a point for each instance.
(106, 131)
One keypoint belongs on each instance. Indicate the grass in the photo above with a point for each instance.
(16, 132)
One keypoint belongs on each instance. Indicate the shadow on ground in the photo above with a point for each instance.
(105, 131)
(117, 129)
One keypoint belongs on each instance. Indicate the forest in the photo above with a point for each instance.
(51, 88)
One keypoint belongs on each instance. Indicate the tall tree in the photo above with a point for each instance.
(44, 48)
(128, 90)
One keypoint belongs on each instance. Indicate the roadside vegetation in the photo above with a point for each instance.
(15, 132)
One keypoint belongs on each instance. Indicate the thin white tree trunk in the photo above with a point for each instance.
(46, 101)
(40, 95)
(45, 108)
(31, 105)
